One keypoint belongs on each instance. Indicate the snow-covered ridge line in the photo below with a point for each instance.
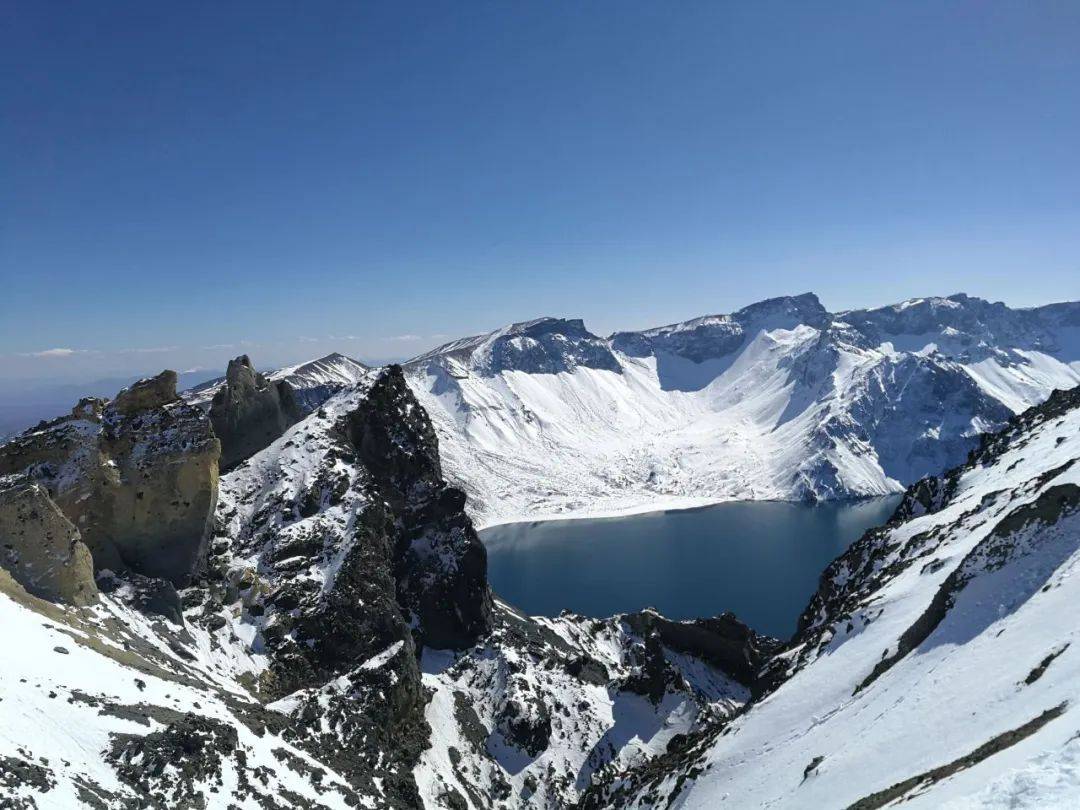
(781, 400)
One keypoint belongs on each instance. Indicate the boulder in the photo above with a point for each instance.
(42, 549)
(249, 412)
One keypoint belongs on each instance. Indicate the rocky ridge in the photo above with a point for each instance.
(136, 476)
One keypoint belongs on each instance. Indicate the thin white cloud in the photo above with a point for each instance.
(52, 353)
(404, 338)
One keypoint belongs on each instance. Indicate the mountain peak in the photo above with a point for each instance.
(570, 327)
(790, 310)
(542, 346)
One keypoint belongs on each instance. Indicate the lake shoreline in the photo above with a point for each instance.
(664, 507)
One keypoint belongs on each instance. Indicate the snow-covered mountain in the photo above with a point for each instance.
(780, 400)
(314, 628)
(937, 666)
(316, 381)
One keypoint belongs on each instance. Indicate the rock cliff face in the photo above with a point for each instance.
(440, 564)
(345, 552)
(137, 476)
(249, 412)
(41, 548)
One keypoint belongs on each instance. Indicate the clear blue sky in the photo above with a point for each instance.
(184, 179)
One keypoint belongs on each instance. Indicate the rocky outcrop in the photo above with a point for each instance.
(248, 412)
(145, 395)
(346, 551)
(723, 641)
(41, 548)
(137, 477)
(440, 564)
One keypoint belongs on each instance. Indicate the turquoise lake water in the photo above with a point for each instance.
(761, 560)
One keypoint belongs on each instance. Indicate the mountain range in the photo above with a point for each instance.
(269, 591)
(781, 400)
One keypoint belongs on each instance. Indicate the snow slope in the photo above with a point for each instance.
(76, 683)
(781, 400)
(938, 664)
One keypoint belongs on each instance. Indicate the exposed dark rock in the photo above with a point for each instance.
(408, 570)
(723, 641)
(525, 722)
(440, 564)
(812, 767)
(1044, 665)
(588, 670)
(17, 773)
(249, 412)
(150, 595)
(168, 767)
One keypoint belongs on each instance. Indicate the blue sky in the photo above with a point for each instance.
(184, 181)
